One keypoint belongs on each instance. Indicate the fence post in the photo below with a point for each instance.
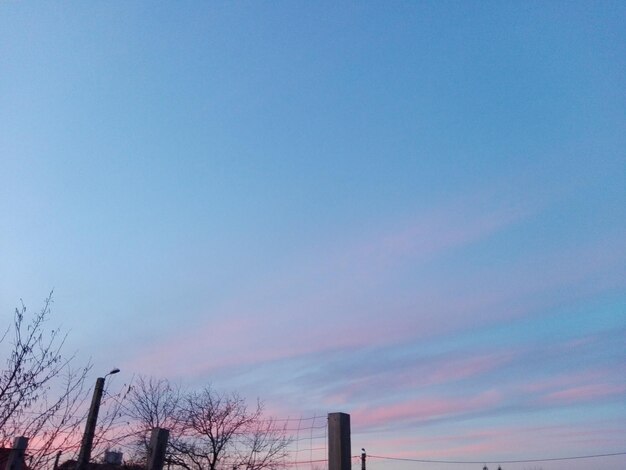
(16, 456)
(339, 448)
(158, 446)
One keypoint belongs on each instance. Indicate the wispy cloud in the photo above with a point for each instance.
(586, 393)
(424, 409)
(345, 302)
(493, 441)
(301, 311)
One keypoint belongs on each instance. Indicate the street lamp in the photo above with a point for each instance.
(90, 426)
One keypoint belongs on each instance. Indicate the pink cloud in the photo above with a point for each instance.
(436, 371)
(493, 442)
(424, 409)
(566, 380)
(585, 393)
(235, 341)
(344, 298)
(466, 367)
(439, 232)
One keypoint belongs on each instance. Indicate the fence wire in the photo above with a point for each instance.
(308, 449)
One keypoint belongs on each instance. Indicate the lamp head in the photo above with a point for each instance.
(114, 371)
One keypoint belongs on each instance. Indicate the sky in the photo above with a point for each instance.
(412, 212)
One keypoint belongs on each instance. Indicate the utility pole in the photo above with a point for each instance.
(90, 427)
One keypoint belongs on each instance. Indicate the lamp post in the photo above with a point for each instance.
(90, 426)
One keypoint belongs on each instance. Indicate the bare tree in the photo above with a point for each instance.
(153, 403)
(265, 446)
(40, 392)
(210, 430)
(211, 424)
(219, 431)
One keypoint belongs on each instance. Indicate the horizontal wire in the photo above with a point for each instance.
(294, 419)
(549, 459)
(293, 451)
(305, 461)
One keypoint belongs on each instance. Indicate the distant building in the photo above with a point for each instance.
(71, 465)
(113, 457)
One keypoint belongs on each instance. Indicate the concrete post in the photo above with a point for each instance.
(90, 426)
(158, 446)
(339, 448)
(17, 454)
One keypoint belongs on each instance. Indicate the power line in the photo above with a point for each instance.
(551, 459)
(296, 462)
(272, 419)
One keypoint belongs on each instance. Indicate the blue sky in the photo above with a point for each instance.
(414, 212)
